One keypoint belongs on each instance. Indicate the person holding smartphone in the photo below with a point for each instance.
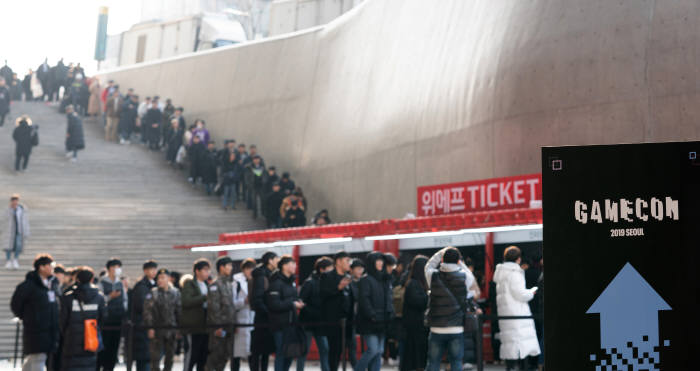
(338, 303)
(518, 337)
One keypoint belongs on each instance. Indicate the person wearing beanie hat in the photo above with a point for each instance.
(140, 342)
(221, 312)
(162, 309)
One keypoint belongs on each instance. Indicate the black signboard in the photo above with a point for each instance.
(621, 248)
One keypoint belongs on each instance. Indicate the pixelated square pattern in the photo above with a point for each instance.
(633, 356)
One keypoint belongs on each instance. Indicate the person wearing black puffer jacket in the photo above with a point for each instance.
(85, 302)
(35, 302)
(283, 302)
(311, 296)
(261, 346)
(375, 310)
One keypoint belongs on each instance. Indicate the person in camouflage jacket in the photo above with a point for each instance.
(162, 308)
(220, 311)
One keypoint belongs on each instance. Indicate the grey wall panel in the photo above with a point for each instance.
(402, 93)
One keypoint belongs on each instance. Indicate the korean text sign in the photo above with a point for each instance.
(514, 192)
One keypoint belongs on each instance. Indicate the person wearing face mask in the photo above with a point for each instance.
(114, 288)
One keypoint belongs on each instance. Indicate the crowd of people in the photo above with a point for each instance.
(64, 309)
(235, 172)
(413, 312)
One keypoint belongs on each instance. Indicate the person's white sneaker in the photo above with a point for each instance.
(69, 154)
(467, 366)
(8, 265)
(74, 160)
(15, 264)
(121, 140)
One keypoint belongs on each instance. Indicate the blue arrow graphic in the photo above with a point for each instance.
(629, 322)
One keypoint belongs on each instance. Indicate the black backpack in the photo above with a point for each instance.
(35, 136)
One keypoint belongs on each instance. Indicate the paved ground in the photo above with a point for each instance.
(116, 200)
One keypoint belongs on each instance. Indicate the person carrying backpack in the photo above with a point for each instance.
(82, 312)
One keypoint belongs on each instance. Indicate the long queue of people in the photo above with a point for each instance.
(74, 320)
(236, 173)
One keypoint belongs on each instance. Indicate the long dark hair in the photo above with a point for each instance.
(416, 271)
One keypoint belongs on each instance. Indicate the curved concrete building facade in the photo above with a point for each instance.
(402, 93)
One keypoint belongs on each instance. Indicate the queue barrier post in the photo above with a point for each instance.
(18, 323)
(342, 343)
(480, 344)
(129, 345)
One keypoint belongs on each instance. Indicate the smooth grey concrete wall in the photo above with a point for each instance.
(402, 93)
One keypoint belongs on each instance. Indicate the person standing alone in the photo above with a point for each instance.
(24, 137)
(75, 141)
(18, 231)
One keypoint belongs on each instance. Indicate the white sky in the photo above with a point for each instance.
(31, 30)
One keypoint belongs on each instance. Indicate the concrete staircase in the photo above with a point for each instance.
(121, 201)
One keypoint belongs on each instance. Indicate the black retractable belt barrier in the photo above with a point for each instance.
(480, 335)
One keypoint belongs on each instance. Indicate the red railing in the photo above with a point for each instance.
(385, 227)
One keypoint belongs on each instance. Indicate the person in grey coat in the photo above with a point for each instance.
(75, 141)
(17, 231)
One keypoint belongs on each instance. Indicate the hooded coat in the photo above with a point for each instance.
(22, 136)
(74, 355)
(518, 337)
(194, 314)
(137, 299)
(375, 305)
(75, 139)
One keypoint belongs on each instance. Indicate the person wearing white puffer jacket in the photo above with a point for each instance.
(518, 337)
